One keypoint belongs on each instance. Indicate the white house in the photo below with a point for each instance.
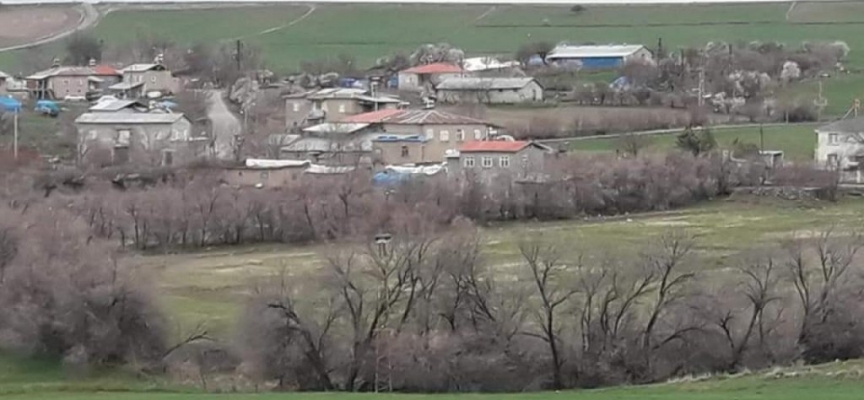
(840, 144)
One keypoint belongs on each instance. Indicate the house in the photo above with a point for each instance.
(304, 109)
(61, 82)
(263, 173)
(3, 79)
(489, 90)
(140, 138)
(598, 56)
(840, 145)
(517, 160)
(149, 78)
(425, 77)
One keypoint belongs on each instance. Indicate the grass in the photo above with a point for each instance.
(798, 142)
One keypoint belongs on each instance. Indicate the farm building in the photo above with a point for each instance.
(598, 57)
(489, 90)
(840, 144)
(141, 138)
(424, 77)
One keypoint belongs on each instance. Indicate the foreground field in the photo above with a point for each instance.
(798, 142)
(836, 381)
(211, 288)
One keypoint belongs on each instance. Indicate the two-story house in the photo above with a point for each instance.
(149, 78)
(840, 145)
(61, 82)
(486, 160)
(327, 105)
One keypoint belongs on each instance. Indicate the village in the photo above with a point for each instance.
(398, 123)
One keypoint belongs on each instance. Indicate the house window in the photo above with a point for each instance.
(80, 81)
(833, 138)
(120, 155)
(478, 135)
(66, 82)
(123, 137)
(404, 151)
(167, 158)
(504, 162)
(445, 136)
(487, 162)
(460, 135)
(342, 109)
(468, 162)
(295, 106)
(430, 134)
(832, 160)
(152, 79)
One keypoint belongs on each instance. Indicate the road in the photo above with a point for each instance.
(225, 125)
(89, 18)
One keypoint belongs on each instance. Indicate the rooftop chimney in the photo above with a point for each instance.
(92, 62)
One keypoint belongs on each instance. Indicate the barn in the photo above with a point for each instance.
(490, 90)
(598, 56)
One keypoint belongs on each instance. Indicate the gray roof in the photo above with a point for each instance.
(115, 105)
(851, 125)
(125, 85)
(3, 75)
(141, 67)
(483, 83)
(128, 118)
(589, 51)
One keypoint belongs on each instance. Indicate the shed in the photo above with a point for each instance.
(489, 90)
(598, 56)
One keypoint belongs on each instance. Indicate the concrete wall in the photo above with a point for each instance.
(418, 82)
(68, 86)
(161, 81)
(530, 93)
(527, 162)
(147, 144)
(642, 54)
(392, 153)
(267, 177)
(440, 138)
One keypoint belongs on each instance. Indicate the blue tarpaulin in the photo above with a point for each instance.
(8, 104)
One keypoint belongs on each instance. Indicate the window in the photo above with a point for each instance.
(80, 81)
(833, 138)
(468, 162)
(430, 134)
(265, 174)
(487, 162)
(123, 137)
(832, 160)
(167, 158)
(152, 79)
(504, 162)
(342, 109)
(478, 135)
(445, 136)
(66, 82)
(460, 135)
(120, 155)
(295, 106)
(404, 151)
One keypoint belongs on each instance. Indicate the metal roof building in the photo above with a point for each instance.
(599, 56)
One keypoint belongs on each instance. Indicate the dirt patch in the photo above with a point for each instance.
(24, 24)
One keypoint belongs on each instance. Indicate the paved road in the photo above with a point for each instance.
(89, 17)
(225, 125)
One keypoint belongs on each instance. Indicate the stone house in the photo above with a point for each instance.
(840, 145)
(426, 77)
(489, 90)
(326, 105)
(154, 139)
(61, 82)
(262, 173)
(150, 78)
(487, 160)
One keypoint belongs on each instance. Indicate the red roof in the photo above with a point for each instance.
(103, 70)
(371, 117)
(437, 68)
(493, 146)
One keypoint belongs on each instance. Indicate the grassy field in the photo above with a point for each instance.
(798, 142)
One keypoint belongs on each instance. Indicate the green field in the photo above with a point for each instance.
(367, 31)
(798, 142)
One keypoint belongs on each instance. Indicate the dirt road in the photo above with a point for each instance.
(225, 125)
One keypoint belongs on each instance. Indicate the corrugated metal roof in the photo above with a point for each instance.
(260, 163)
(436, 68)
(114, 105)
(483, 83)
(486, 63)
(336, 127)
(592, 51)
(494, 146)
(851, 125)
(140, 67)
(128, 118)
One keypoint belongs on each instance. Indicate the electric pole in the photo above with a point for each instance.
(15, 134)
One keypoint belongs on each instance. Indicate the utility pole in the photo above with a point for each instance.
(239, 55)
(15, 134)
(761, 139)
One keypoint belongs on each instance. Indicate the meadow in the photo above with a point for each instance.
(798, 142)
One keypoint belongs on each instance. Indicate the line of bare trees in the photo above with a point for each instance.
(429, 313)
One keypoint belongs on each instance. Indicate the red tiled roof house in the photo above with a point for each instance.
(427, 76)
(60, 82)
(489, 159)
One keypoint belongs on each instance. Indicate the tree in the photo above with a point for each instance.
(696, 142)
(82, 48)
(632, 143)
(540, 49)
